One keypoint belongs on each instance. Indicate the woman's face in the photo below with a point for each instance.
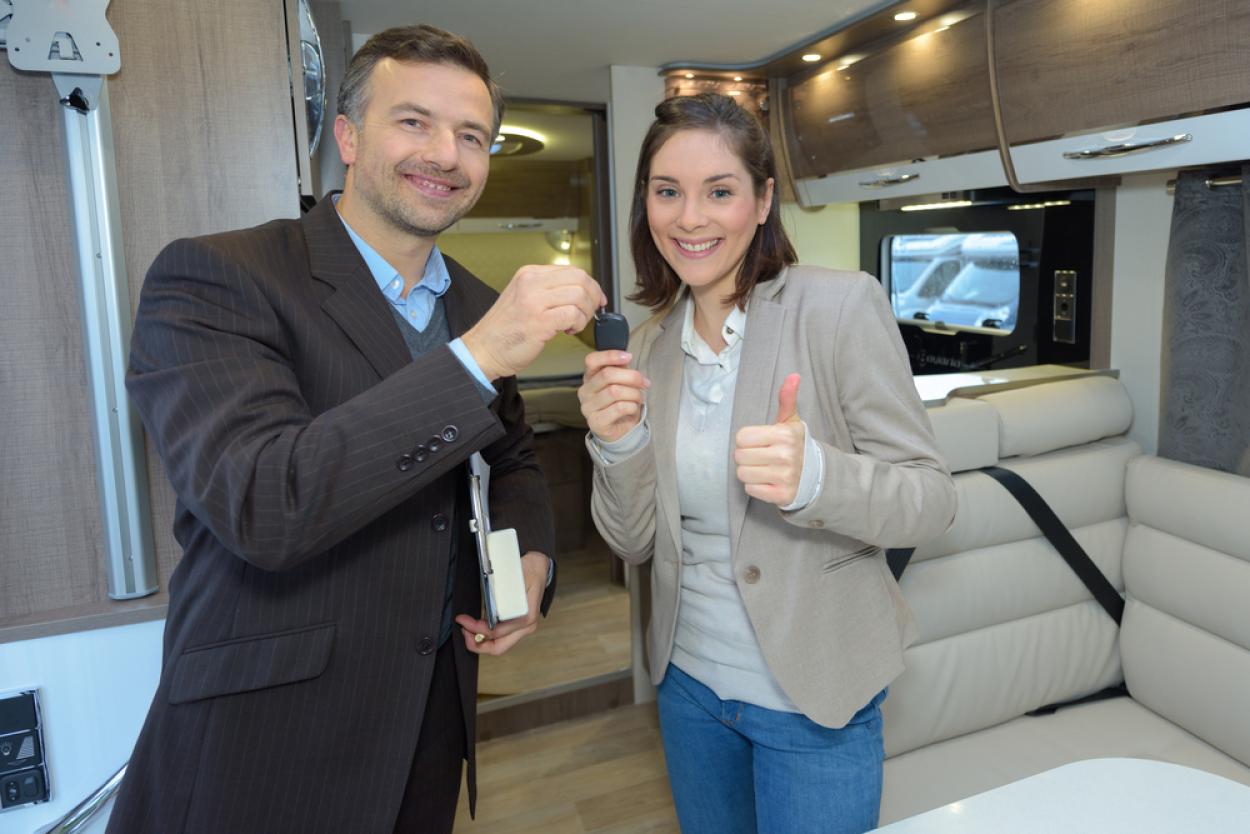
(702, 209)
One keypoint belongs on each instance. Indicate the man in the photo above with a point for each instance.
(314, 389)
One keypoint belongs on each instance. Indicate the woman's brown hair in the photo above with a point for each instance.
(770, 249)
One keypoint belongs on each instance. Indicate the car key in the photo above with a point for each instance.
(611, 331)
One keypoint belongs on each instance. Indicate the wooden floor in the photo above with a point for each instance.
(602, 774)
(586, 634)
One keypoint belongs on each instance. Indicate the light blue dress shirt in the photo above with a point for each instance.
(418, 306)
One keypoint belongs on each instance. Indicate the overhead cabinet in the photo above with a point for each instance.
(1116, 86)
(1085, 88)
(912, 116)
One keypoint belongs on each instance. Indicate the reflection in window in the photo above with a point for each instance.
(967, 281)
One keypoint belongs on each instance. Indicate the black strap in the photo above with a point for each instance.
(897, 558)
(1054, 531)
(1050, 525)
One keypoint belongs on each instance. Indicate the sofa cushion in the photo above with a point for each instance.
(1084, 485)
(951, 770)
(1186, 631)
(1042, 418)
(966, 432)
(986, 677)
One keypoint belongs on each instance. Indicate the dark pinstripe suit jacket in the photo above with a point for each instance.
(320, 478)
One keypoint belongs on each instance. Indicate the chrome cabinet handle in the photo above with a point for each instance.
(1126, 148)
(886, 182)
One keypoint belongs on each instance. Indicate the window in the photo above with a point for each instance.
(967, 281)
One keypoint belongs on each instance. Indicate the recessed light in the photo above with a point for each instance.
(903, 17)
(690, 75)
(737, 78)
(811, 57)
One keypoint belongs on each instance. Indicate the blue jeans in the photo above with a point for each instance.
(735, 768)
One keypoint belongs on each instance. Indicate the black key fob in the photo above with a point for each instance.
(611, 332)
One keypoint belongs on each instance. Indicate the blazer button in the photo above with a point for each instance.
(450, 433)
(439, 522)
(404, 462)
(434, 443)
(420, 453)
(752, 575)
(425, 645)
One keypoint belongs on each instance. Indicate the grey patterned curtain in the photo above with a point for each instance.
(1205, 398)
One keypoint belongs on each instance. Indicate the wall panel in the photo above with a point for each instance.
(203, 132)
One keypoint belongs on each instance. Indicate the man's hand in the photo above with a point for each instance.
(508, 633)
(539, 302)
(770, 458)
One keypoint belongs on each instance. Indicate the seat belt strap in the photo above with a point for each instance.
(1054, 531)
(1059, 536)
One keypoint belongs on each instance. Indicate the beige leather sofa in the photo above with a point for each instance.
(1006, 627)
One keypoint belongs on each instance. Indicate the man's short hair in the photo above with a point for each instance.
(420, 44)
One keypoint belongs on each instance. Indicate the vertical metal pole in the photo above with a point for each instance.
(120, 459)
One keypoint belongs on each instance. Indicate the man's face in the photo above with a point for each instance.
(420, 156)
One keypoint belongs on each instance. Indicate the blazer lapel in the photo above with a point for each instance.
(355, 303)
(663, 406)
(755, 401)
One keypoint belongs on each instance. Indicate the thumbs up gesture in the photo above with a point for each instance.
(770, 458)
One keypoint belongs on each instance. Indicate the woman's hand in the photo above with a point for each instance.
(611, 394)
(770, 458)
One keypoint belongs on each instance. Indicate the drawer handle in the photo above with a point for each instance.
(886, 182)
(1126, 148)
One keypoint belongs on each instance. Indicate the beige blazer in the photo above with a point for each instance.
(828, 614)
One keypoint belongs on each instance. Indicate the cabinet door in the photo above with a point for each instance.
(1076, 66)
(924, 96)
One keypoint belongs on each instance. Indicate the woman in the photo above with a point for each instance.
(776, 625)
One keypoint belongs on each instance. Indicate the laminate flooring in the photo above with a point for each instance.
(598, 775)
(586, 633)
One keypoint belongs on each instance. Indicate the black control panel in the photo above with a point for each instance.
(23, 770)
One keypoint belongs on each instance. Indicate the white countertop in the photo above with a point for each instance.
(1107, 796)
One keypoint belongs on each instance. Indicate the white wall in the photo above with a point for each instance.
(94, 690)
(1143, 218)
(635, 91)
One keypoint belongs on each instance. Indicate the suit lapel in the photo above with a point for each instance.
(355, 303)
(663, 405)
(459, 302)
(755, 401)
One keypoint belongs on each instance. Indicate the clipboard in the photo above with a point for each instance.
(498, 555)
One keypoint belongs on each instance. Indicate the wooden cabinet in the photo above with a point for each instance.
(1073, 66)
(915, 114)
(922, 97)
(1116, 86)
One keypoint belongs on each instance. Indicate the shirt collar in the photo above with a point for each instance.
(732, 331)
(436, 279)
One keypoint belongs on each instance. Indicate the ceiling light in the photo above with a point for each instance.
(517, 141)
(690, 75)
(811, 57)
(735, 92)
(737, 78)
(1046, 204)
(942, 205)
(903, 17)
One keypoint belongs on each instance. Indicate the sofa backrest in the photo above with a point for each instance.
(1185, 638)
(1005, 626)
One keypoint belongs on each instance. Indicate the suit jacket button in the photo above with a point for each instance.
(425, 645)
(420, 453)
(752, 575)
(439, 522)
(404, 463)
(434, 443)
(450, 433)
